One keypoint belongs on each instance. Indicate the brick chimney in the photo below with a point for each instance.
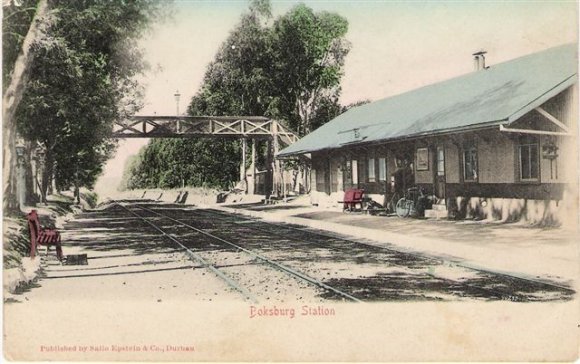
(479, 60)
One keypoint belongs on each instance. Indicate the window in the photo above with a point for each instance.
(440, 161)
(347, 172)
(529, 160)
(371, 170)
(354, 173)
(422, 159)
(470, 163)
(382, 169)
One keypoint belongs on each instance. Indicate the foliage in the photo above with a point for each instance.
(82, 79)
(285, 71)
(15, 23)
(238, 81)
(17, 242)
(90, 198)
(171, 163)
(310, 52)
(16, 68)
(288, 69)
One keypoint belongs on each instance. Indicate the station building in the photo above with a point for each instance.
(498, 143)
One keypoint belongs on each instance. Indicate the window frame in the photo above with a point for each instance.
(440, 161)
(347, 176)
(371, 178)
(382, 163)
(528, 144)
(423, 164)
(470, 147)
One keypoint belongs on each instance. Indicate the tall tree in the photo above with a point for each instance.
(310, 50)
(238, 81)
(17, 61)
(288, 69)
(83, 79)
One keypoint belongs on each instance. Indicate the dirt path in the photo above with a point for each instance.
(125, 262)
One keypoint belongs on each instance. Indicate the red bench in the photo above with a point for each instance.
(42, 236)
(352, 198)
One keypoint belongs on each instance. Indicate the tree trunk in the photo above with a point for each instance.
(305, 176)
(29, 177)
(46, 180)
(77, 192)
(43, 185)
(295, 184)
(51, 184)
(303, 112)
(10, 102)
(77, 195)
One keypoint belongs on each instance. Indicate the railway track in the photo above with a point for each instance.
(198, 258)
(274, 227)
(231, 282)
(500, 289)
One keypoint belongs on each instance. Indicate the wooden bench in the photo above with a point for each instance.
(42, 236)
(352, 198)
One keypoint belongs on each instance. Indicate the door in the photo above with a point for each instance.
(439, 168)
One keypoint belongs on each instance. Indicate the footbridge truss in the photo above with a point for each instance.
(246, 127)
(253, 128)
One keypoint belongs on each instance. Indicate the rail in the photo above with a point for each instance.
(197, 257)
(423, 256)
(274, 264)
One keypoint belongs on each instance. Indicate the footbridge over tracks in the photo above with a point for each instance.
(248, 127)
(253, 128)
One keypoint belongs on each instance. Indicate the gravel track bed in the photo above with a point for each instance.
(367, 272)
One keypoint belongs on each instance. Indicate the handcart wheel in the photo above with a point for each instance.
(403, 207)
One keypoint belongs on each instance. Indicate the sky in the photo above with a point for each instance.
(396, 46)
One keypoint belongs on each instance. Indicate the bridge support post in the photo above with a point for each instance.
(283, 181)
(276, 163)
(268, 183)
(277, 177)
(243, 176)
(253, 181)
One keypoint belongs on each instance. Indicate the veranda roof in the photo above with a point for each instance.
(498, 95)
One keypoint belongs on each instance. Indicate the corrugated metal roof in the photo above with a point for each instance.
(500, 94)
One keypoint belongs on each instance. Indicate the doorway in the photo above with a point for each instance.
(439, 170)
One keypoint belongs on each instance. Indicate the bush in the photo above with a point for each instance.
(90, 197)
(17, 242)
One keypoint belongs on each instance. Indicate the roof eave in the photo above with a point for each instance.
(543, 98)
(467, 128)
